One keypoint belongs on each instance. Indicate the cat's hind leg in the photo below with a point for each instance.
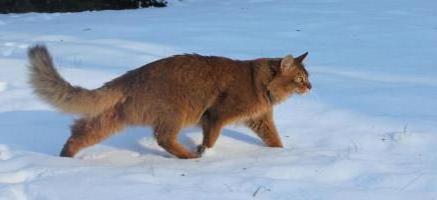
(89, 131)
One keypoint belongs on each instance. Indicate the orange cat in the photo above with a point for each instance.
(173, 93)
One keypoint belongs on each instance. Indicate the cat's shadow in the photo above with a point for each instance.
(141, 140)
(46, 132)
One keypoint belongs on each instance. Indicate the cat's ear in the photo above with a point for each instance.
(287, 63)
(300, 58)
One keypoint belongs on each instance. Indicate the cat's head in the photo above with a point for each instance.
(291, 77)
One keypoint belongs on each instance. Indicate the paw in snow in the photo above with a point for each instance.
(202, 150)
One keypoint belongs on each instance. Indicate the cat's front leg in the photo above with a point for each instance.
(265, 128)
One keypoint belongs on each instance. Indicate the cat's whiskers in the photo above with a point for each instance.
(313, 94)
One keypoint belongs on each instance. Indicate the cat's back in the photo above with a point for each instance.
(187, 69)
(196, 64)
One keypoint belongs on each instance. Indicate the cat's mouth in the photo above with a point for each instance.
(302, 91)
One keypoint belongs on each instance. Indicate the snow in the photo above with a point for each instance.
(366, 131)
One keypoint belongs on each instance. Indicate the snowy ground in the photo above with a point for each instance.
(367, 131)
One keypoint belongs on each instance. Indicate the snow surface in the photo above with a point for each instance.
(367, 130)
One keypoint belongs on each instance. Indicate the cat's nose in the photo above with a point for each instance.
(309, 86)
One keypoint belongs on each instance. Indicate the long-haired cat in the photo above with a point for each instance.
(173, 93)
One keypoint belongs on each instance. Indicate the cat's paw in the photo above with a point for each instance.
(200, 150)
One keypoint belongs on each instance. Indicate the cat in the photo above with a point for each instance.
(172, 93)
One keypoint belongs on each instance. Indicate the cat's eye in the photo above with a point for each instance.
(299, 79)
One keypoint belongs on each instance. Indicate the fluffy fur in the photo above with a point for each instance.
(51, 87)
(173, 93)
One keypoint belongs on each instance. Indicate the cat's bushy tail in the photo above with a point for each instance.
(51, 87)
